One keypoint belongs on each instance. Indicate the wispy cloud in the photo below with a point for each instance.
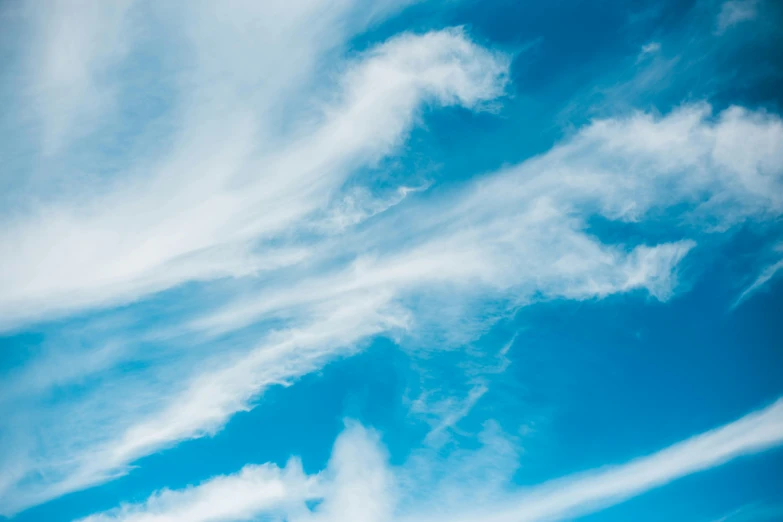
(360, 484)
(647, 50)
(515, 237)
(589, 492)
(767, 274)
(75, 48)
(753, 513)
(140, 234)
(734, 12)
(447, 412)
(153, 233)
(254, 490)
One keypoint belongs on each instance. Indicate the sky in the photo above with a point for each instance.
(391, 261)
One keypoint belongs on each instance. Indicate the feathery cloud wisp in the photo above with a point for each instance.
(768, 273)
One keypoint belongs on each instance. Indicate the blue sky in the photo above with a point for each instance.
(391, 261)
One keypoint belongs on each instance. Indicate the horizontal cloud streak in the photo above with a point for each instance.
(242, 496)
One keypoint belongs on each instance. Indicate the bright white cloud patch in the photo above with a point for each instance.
(254, 490)
(359, 484)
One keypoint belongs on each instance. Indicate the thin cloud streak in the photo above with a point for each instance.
(756, 432)
(767, 274)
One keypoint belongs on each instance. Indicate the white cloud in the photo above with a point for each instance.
(521, 232)
(360, 484)
(768, 273)
(648, 49)
(242, 496)
(572, 497)
(75, 46)
(734, 12)
(515, 237)
(151, 234)
(752, 513)
(445, 413)
(259, 134)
